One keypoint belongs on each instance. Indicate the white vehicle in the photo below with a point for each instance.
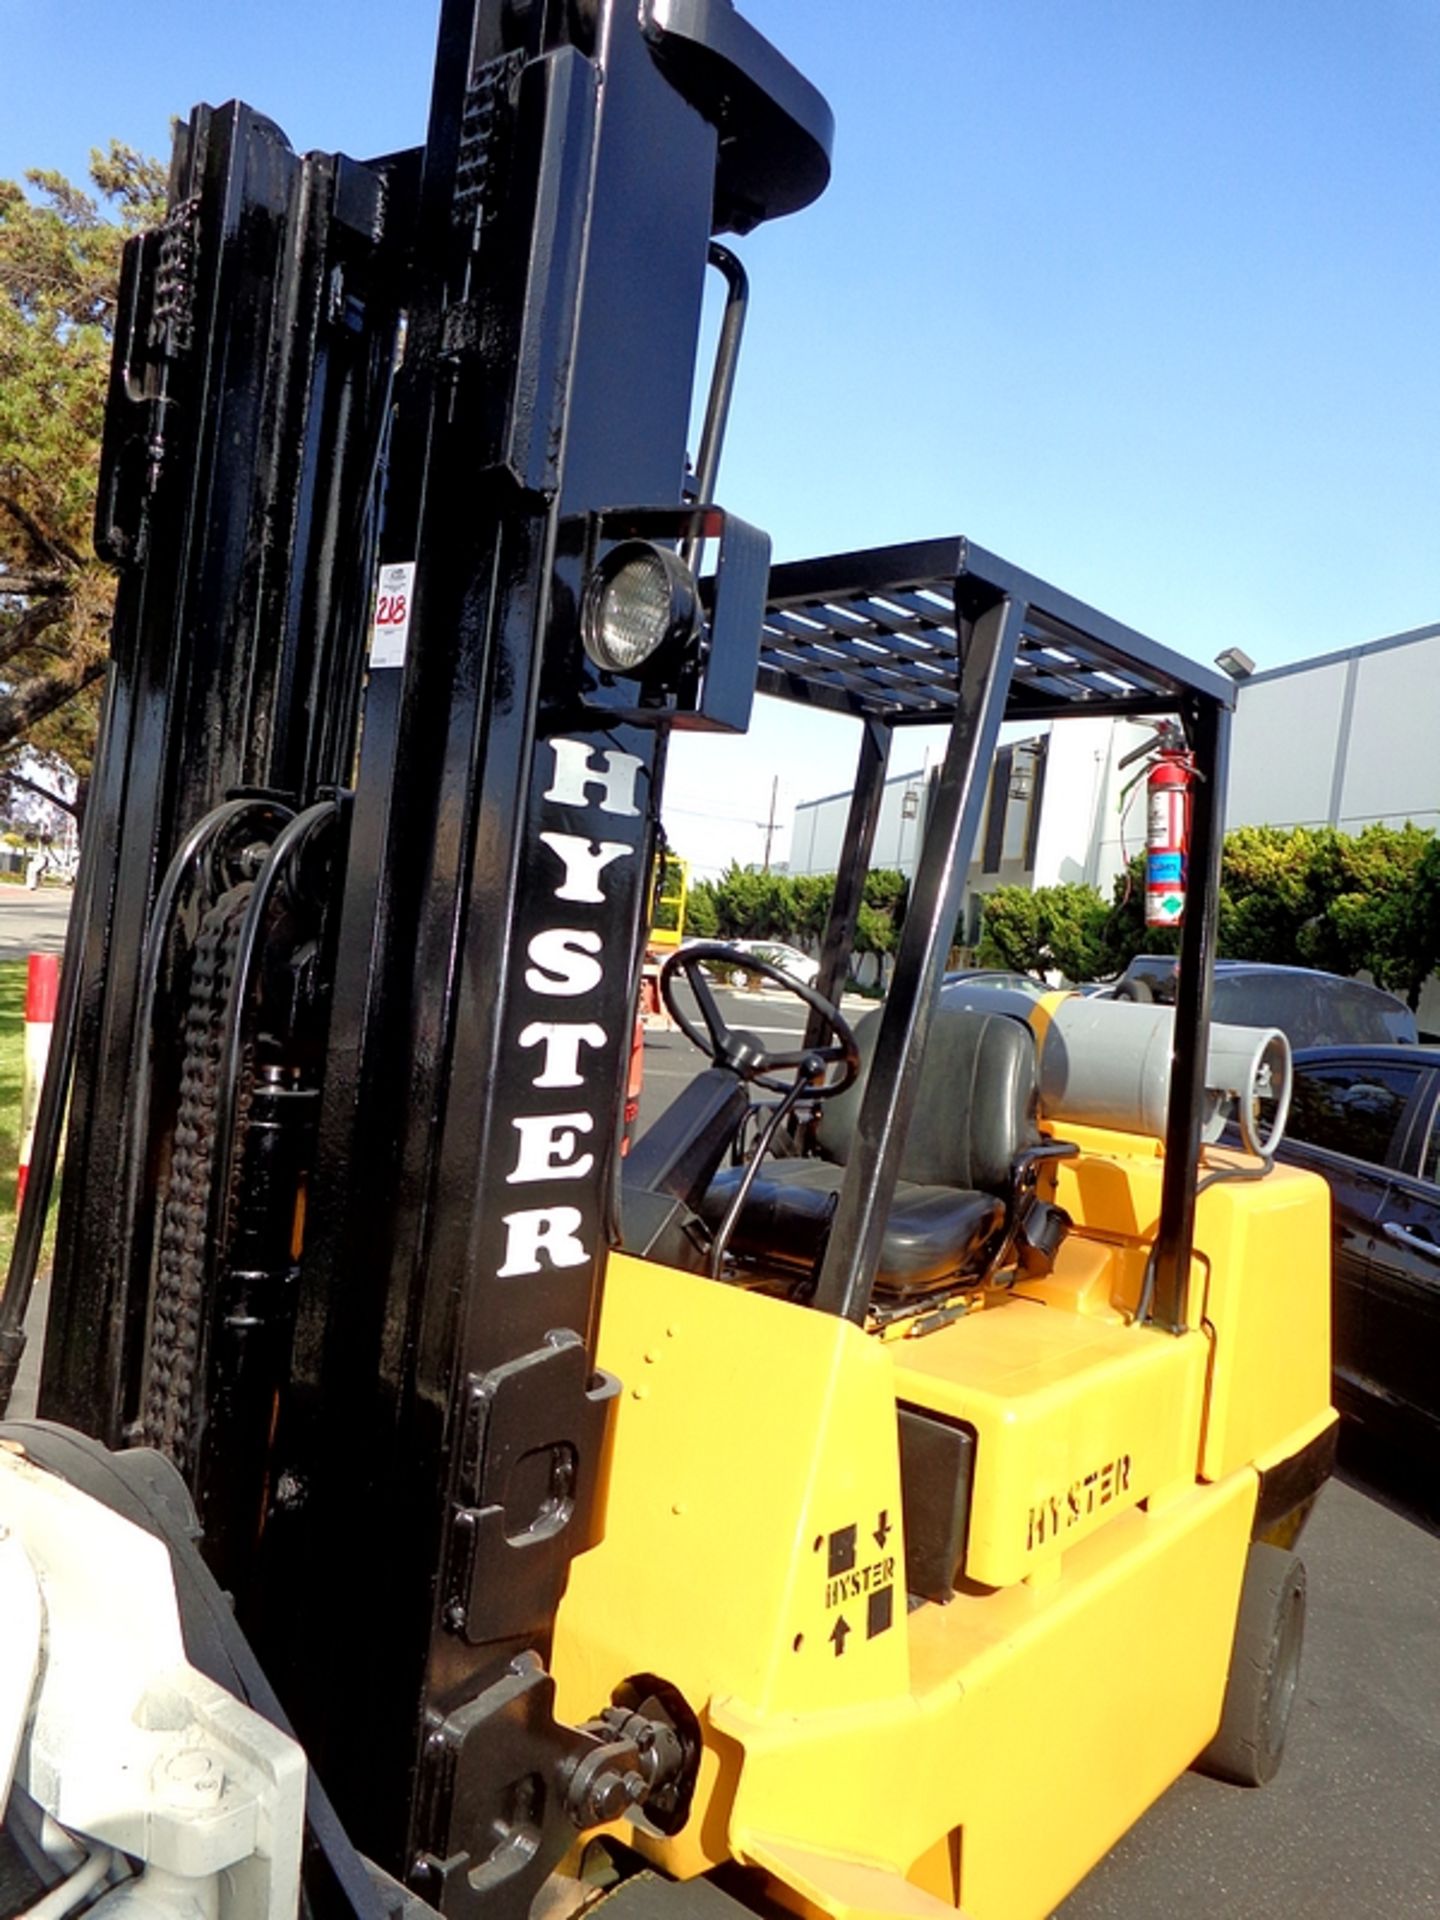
(789, 960)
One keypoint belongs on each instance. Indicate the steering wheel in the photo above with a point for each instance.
(742, 1052)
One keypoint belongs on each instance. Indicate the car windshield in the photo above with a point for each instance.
(1311, 1009)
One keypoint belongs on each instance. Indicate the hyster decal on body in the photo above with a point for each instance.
(1059, 1511)
(850, 1586)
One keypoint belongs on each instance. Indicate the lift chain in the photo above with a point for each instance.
(176, 1321)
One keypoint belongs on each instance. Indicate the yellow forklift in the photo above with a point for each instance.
(956, 1475)
(863, 1497)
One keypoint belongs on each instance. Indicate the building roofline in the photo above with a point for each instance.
(1383, 645)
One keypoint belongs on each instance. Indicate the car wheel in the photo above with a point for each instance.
(739, 979)
(1264, 1671)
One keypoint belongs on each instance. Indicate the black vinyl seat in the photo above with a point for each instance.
(972, 1135)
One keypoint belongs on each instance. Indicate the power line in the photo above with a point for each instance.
(732, 819)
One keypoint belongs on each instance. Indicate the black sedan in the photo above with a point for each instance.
(1368, 1119)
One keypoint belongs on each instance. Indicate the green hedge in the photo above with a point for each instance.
(1302, 896)
(745, 905)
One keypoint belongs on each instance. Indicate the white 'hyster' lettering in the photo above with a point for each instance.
(562, 1040)
(584, 860)
(575, 771)
(552, 1231)
(547, 1147)
(560, 965)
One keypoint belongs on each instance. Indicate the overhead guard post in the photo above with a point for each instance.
(988, 648)
(1208, 723)
(860, 827)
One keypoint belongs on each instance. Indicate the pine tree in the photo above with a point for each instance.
(60, 252)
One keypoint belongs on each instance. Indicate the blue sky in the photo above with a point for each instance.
(1141, 294)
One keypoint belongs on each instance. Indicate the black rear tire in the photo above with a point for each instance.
(1264, 1671)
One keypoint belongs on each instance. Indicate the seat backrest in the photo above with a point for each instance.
(976, 1107)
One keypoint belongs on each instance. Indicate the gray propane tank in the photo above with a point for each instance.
(1106, 1063)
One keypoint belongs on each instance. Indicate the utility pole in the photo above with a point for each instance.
(770, 830)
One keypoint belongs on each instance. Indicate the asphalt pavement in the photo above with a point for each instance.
(33, 922)
(1351, 1827)
(775, 1017)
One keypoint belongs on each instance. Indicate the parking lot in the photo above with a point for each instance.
(1352, 1825)
(33, 922)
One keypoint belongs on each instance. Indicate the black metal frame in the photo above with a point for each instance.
(344, 1320)
(248, 410)
(942, 632)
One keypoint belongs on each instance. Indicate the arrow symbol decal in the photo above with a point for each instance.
(839, 1633)
(884, 1530)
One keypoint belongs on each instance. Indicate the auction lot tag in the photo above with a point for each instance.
(391, 630)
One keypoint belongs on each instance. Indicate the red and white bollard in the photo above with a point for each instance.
(42, 989)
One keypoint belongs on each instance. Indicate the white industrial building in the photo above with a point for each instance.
(1344, 740)
(1347, 740)
(1056, 813)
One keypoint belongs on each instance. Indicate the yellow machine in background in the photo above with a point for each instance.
(669, 898)
(672, 893)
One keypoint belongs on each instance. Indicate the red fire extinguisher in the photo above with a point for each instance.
(1169, 776)
(1167, 829)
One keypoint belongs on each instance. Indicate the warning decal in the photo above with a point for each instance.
(872, 1582)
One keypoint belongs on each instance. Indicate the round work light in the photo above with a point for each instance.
(638, 600)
